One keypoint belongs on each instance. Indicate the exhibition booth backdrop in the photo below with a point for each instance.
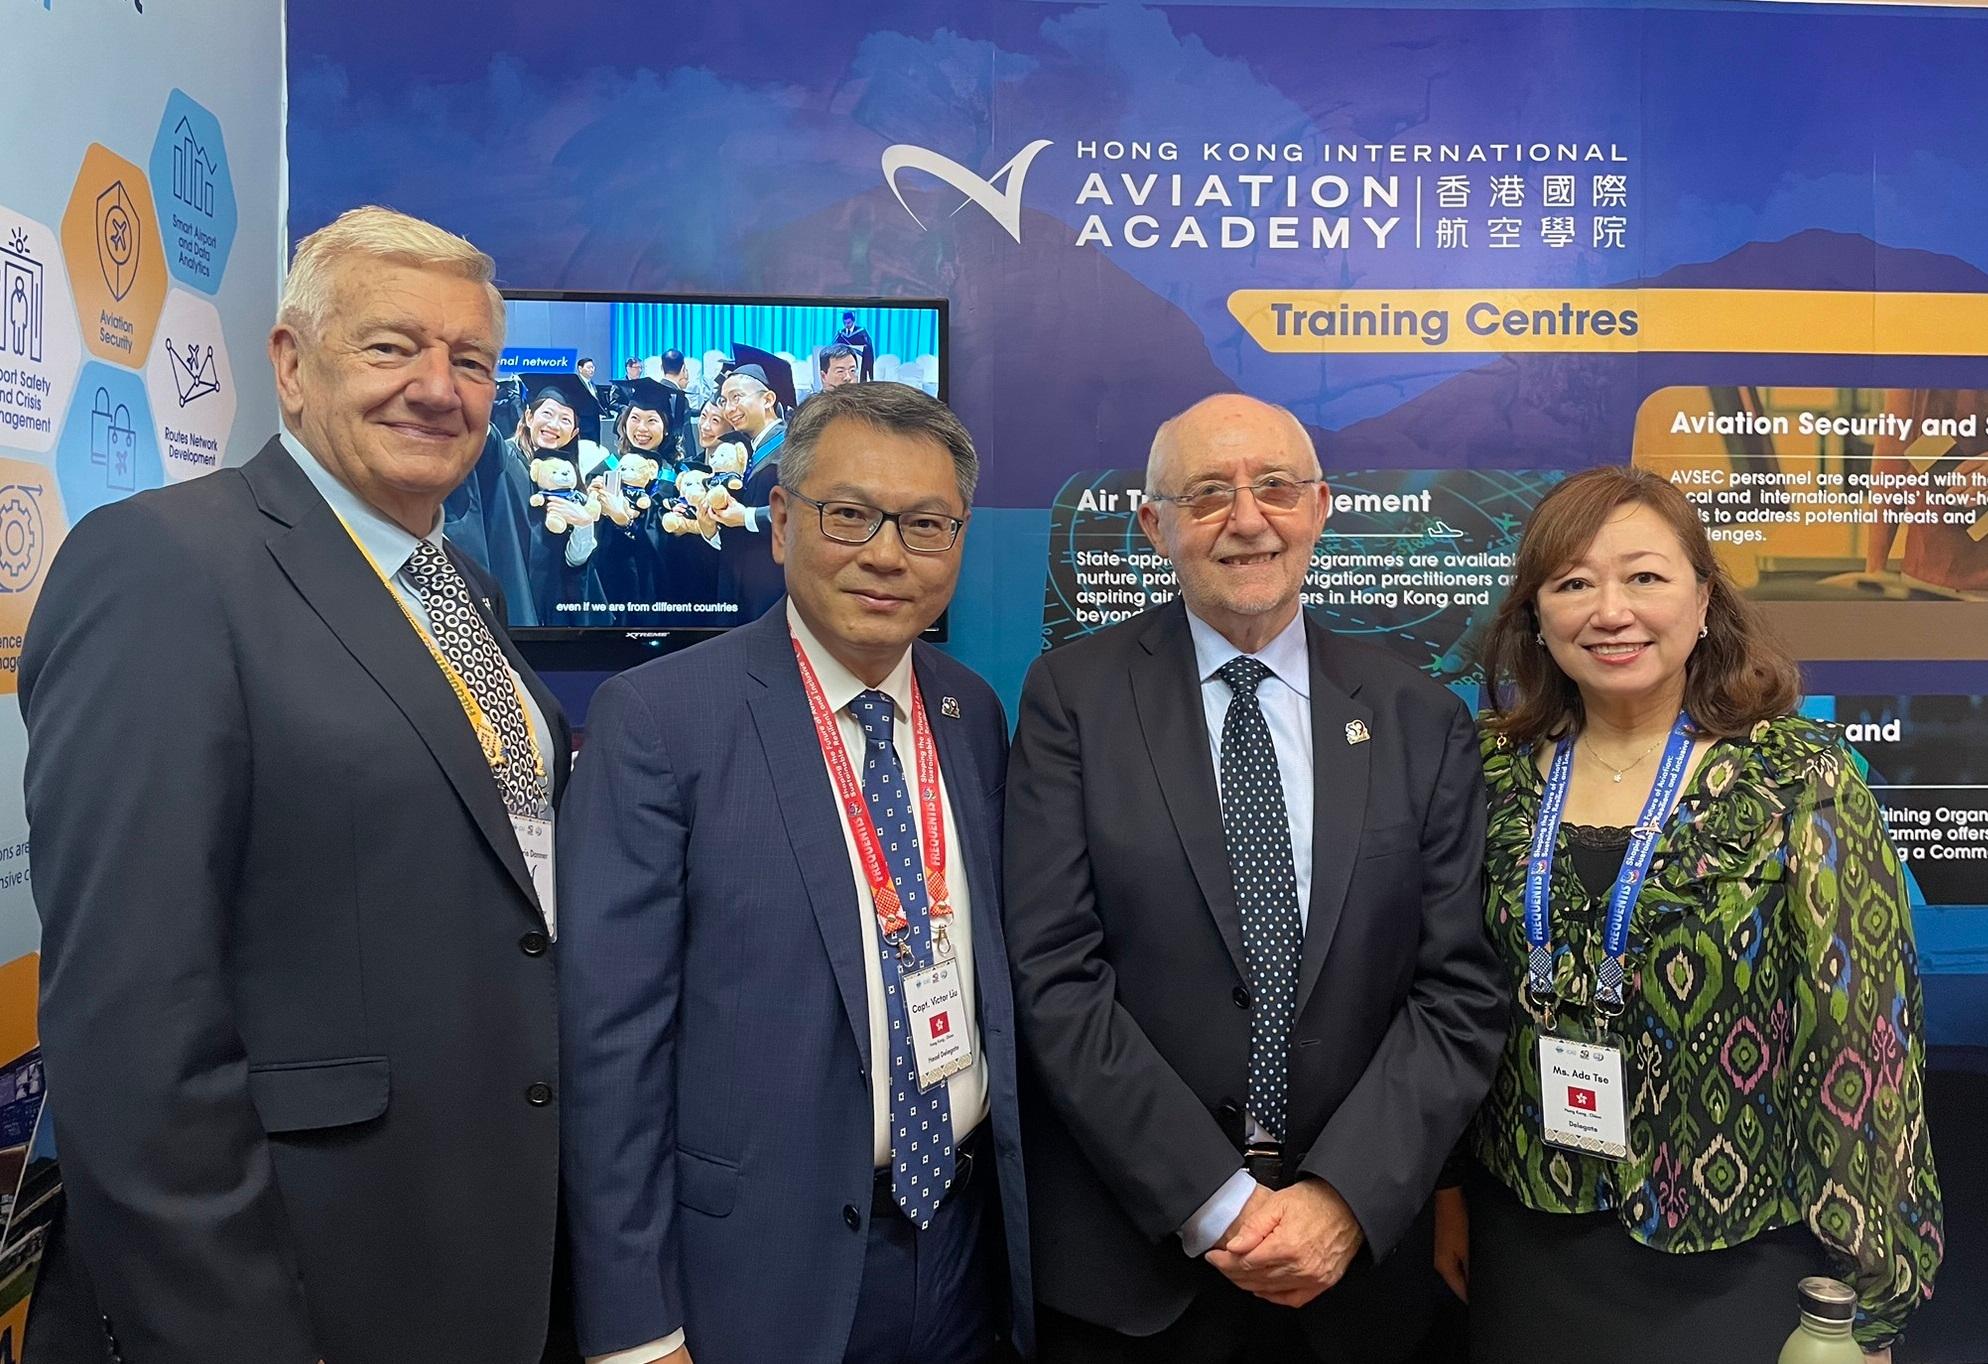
(140, 211)
(1472, 247)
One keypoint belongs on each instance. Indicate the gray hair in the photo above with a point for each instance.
(897, 408)
(1164, 437)
(376, 234)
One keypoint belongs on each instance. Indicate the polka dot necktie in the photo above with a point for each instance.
(1258, 834)
(921, 1125)
(465, 640)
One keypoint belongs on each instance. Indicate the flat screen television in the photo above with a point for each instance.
(620, 502)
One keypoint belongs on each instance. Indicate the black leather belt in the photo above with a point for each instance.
(1265, 1162)
(968, 1152)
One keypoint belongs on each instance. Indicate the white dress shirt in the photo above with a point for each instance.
(1285, 699)
(966, 1092)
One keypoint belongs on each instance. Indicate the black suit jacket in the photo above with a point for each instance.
(1129, 984)
(297, 1006)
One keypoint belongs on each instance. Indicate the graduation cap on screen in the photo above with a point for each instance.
(766, 367)
(572, 392)
(653, 395)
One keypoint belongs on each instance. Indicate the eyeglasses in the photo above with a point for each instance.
(1210, 501)
(857, 523)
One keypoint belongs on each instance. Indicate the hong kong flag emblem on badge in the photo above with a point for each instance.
(942, 1024)
(1583, 1099)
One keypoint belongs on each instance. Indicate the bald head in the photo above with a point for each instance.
(1251, 507)
(1225, 422)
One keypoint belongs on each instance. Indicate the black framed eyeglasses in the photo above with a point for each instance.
(857, 523)
(1208, 501)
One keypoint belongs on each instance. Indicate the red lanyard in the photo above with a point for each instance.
(931, 823)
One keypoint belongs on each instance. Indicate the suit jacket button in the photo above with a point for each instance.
(538, 1095)
(852, 1217)
(533, 944)
(1230, 1110)
(1241, 996)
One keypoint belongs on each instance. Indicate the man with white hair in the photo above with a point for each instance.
(290, 797)
(1251, 972)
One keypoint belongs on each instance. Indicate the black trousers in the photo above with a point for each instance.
(1223, 1325)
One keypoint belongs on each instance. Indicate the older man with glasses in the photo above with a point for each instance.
(786, 1018)
(1250, 969)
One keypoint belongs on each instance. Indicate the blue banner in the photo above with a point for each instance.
(1471, 248)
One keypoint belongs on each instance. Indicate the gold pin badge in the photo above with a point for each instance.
(1356, 732)
(949, 707)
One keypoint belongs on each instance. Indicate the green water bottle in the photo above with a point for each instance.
(1828, 1308)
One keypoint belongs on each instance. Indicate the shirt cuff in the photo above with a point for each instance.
(579, 545)
(758, 519)
(1200, 1232)
(643, 1354)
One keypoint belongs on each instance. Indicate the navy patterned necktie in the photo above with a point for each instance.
(466, 642)
(1257, 831)
(921, 1125)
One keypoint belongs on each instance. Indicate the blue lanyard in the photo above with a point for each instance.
(1609, 978)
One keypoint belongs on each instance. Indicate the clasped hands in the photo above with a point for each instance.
(1287, 1246)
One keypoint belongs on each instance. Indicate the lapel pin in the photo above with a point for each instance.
(1356, 732)
(488, 605)
(949, 707)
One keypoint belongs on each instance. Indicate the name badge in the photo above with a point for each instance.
(535, 842)
(941, 1031)
(1581, 1097)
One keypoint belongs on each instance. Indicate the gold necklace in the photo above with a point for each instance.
(1620, 772)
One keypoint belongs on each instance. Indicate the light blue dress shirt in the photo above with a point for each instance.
(391, 547)
(1285, 699)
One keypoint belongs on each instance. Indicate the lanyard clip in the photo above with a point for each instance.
(1542, 1008)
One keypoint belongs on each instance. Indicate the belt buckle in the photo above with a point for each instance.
(1265, 1158)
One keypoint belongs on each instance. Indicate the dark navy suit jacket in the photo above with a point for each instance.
(297, 1007)
(714, 1031)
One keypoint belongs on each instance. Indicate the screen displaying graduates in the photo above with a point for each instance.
(641, 502)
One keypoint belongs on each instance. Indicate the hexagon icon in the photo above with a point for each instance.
(38, 347)
(108, 449)
(191, 387)
(117, 268)
(31, 527)
(194, 193)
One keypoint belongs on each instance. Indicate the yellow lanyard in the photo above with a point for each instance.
(487, 736)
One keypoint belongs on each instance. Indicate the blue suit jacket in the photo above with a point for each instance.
(714, 1030)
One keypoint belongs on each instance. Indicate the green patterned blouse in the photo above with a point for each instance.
(1774, 1054)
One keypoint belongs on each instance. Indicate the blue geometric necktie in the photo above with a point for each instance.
(921, 1125)
(1257, 830)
